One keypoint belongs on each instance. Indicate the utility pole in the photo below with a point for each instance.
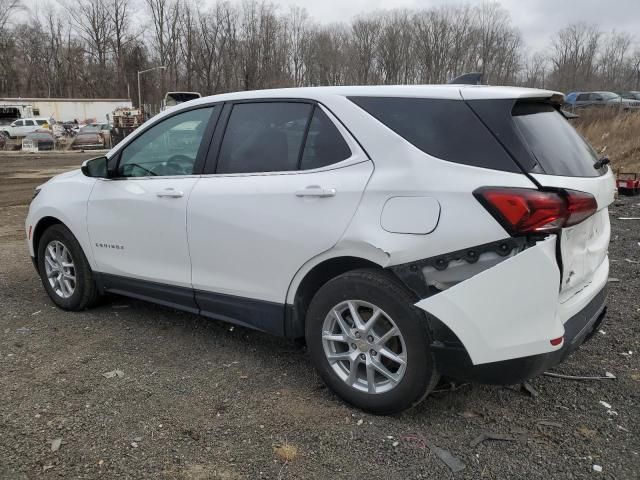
(140, 72)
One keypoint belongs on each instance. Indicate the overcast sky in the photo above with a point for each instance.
(538, 20)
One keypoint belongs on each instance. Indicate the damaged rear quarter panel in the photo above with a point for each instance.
(506, 311)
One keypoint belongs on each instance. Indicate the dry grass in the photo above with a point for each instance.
(616, 135)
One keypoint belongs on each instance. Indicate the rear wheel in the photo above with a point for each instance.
(64, 270)
(369, 343)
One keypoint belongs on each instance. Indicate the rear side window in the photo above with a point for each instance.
(446, 129)
(325, 145)
(263, 137)
(41, 122)
(555, 144)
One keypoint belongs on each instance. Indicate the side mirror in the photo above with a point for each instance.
(95, 167)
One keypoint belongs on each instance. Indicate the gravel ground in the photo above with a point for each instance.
(201, 399)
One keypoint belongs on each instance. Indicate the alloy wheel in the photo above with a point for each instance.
(364, 346)
(60, 269)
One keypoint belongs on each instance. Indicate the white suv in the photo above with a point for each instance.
(24, 126)
(404, 232)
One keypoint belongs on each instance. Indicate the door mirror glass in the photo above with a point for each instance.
(95, 167)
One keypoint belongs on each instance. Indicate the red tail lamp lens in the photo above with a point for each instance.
(556, 341)
(525, 211)
(580, 205)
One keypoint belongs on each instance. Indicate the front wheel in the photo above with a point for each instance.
(64, 270)
(369, 343)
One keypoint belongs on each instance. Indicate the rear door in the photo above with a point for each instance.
(565, 160)
(282, 187)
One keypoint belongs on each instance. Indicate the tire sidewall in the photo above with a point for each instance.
(420, 374)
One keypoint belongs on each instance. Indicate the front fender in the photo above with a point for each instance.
(64, 198)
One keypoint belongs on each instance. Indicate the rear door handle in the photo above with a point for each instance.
(170, 193)
(316, 191)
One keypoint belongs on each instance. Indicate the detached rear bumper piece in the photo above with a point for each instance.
(452, 359)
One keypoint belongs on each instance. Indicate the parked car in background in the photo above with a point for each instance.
(406, 232)
(88, 137)
(631, 95)
(20, 128)
(42, 139)
(600, 99)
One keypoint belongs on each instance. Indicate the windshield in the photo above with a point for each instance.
(609, 95)
(557, 146)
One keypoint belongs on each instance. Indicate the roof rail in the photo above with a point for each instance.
(474, 78)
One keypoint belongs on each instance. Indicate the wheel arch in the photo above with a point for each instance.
(313, 275)
(40, 228)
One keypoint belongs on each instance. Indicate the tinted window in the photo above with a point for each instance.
(29, 123)
(447, 129)
(325, 145)
(41, 122)
(19, 123)
(582, 97)
(263, 137)
(168, 148)
(555, 144)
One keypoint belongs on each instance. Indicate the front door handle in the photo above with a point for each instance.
(316, 191)
(170, 193)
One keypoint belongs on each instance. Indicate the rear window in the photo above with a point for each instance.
(555, 144)
(446, 129)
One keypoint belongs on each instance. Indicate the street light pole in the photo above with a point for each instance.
(141, 72)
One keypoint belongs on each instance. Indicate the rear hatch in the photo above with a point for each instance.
(565, 160)
(553, 154)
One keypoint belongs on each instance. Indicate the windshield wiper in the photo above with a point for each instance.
(601, 163)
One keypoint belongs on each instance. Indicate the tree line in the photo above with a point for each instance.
(94, 49)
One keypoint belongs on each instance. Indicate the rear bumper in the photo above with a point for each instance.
(452, 359)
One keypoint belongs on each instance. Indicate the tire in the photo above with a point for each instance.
(84, 293)
(371, 289)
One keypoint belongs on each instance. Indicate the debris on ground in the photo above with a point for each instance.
(134, 444)
(613, 280)
(286, 452)
(597, 468)
(113, 373)
(55, 444)
(451, 461)
(454, 463)
(607, 376)
(527, 387)
(548, 423)
(604, 404)
(586, 432)
(491, 436)
(23, 330)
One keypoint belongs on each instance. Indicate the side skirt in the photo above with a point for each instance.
(257, 314)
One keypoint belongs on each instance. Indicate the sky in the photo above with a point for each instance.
(538, 20)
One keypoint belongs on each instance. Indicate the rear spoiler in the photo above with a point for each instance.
(474, 78)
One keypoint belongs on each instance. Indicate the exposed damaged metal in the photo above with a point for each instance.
(430, 275)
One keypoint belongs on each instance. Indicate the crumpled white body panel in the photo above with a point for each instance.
(507, 311)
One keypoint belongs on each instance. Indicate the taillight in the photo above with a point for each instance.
(526, 211)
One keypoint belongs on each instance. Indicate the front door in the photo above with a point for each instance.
(137, 220)
(287, 183)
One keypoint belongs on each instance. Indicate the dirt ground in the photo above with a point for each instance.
(201, 399)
